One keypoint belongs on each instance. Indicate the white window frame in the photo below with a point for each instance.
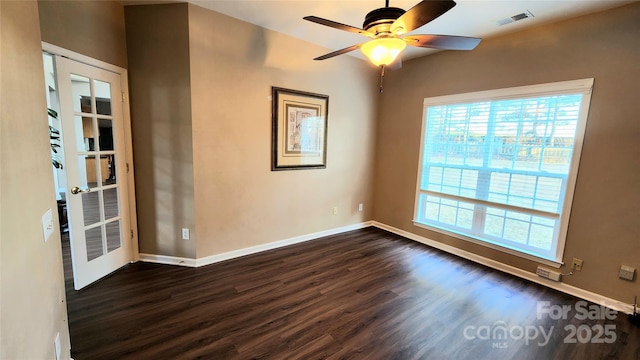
(584, 87)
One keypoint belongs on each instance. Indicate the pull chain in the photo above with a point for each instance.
(381, 78)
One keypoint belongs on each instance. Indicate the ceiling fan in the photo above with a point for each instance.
(386, 27)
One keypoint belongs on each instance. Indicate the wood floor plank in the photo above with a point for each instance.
(366, 294)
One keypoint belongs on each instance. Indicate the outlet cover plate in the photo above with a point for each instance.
(576, 264)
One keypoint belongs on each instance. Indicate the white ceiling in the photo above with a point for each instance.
(476, 18)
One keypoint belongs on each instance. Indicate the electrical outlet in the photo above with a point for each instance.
(360, 207)
(185, 234)
(627, 272)
(576, 264)
(335, 210)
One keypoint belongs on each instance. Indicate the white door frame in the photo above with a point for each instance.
(128, 143)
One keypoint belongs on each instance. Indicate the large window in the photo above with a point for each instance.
(498, 167)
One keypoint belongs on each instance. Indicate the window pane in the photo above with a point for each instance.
(464, 218)
(433, 179)
(458, 214)
(494, 225)
(516, 230)
(541, 236)
(84, 127)
(113, 235)
(105, 129)
(103, 97)
(501, 166)
(110, 197)
(89, 172)
(91, 207)
(108, 169)
(81, 90)
(93, 239)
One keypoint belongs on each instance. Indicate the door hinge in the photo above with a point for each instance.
(127, 168)
(123, 98)
(131, 233)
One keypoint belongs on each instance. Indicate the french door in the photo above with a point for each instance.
(91, 110)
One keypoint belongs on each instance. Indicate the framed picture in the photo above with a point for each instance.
(299, 130)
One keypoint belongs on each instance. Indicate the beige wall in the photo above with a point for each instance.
(33, 307)
(604, 227)
(240, 202)
(214, 121)
(92, 28)
(158, 48)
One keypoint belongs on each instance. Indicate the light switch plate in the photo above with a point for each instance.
(47, 224)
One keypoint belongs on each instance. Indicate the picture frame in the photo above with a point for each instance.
(299, 129)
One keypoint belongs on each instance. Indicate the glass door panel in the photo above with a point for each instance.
(91, 207)
(113, 235)
(102, 97)
(93, 238)
(108, 170)
(84, 126)
(105, 137)
(88, 172)
(81, 93)
(110, 197)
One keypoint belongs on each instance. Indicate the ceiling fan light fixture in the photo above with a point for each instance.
(383, 51)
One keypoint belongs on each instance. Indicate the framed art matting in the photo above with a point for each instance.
(299, 130)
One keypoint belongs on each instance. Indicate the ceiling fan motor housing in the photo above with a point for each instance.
(383, 16)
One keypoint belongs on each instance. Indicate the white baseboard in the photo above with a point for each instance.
(169, 260)
(277, 244)
(560, 286)
(173, 260)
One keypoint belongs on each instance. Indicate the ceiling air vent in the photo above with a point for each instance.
(514, 18)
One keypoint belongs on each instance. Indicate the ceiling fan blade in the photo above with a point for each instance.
(339, 52)
(422, 13)
(443, 42)
(339, 26)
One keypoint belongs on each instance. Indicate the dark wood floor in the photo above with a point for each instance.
(366, 294)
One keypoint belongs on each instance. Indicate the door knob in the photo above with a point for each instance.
(77, 190)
